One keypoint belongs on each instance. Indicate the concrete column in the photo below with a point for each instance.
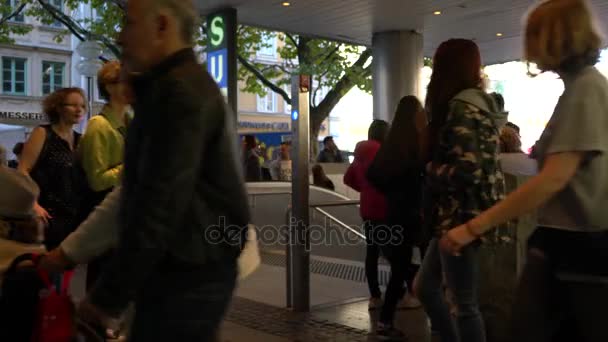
(398, 59)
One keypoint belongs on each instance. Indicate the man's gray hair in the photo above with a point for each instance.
(186, 13)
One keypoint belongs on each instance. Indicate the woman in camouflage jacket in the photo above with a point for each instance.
(463, 178)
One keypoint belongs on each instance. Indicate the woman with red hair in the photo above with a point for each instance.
(462, 180)
(49, 157)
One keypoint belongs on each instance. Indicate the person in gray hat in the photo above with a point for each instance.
(19, 193)
(20, 231)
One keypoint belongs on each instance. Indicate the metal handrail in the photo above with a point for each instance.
(335, 203)
(340, 223)
(317, 207)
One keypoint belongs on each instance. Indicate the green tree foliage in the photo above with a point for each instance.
(9, 28)
(335, 67)
(104, 28)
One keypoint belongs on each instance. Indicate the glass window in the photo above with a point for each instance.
(14, 76)
(53, 75)
(14, 4)
(268, 103)
(269, 47)
(59, 5)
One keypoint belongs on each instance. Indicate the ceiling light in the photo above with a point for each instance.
(286, 4)
(499, 34)
(437, 13)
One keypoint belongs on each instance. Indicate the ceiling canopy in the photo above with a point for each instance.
(495, 25)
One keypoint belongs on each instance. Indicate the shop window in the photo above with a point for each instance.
(53, 76)
(14, 76)
(267, 103)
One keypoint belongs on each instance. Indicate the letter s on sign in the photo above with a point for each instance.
(217, 31)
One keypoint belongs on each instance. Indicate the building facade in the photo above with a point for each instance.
(34, 66)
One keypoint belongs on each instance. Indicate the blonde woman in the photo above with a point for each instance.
(563, 284)
(102, 146)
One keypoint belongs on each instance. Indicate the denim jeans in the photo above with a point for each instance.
(462, 278)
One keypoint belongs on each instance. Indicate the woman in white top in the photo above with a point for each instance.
(563, 285)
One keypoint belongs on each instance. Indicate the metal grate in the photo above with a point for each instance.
(353, 271)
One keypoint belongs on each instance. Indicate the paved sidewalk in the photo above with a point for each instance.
(348, 321)
(232, 332)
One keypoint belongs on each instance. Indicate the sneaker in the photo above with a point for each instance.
(409, 302)
(386, 332)
(375, 303)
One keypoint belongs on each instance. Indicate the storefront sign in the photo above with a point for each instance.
(22, 118)
(269, 126)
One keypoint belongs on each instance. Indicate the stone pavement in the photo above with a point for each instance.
(338, 308)
(349, 321)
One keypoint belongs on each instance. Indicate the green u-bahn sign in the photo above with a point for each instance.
(221, 52)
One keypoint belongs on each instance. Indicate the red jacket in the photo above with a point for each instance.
(373, 203)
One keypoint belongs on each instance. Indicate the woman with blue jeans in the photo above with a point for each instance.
(463, 178)
(563, 291)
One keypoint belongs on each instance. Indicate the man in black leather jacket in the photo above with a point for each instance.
(184, 207)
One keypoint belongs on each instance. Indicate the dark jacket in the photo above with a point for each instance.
(183, 191)
(252, 167)
(402, 183)
(328, 156)
(373, 202)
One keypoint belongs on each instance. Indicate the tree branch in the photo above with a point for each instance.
(122, 4)
(303, 51)
(314, 94)
(345, 83)
(263, 79)
(14, 14)
(292, 38)
(276, 66)
(75, 28)
(331, 54)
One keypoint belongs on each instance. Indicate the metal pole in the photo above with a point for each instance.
(90, 96)
(288, 261)
(299, 242)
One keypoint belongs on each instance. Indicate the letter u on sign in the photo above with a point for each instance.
(217, 66)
